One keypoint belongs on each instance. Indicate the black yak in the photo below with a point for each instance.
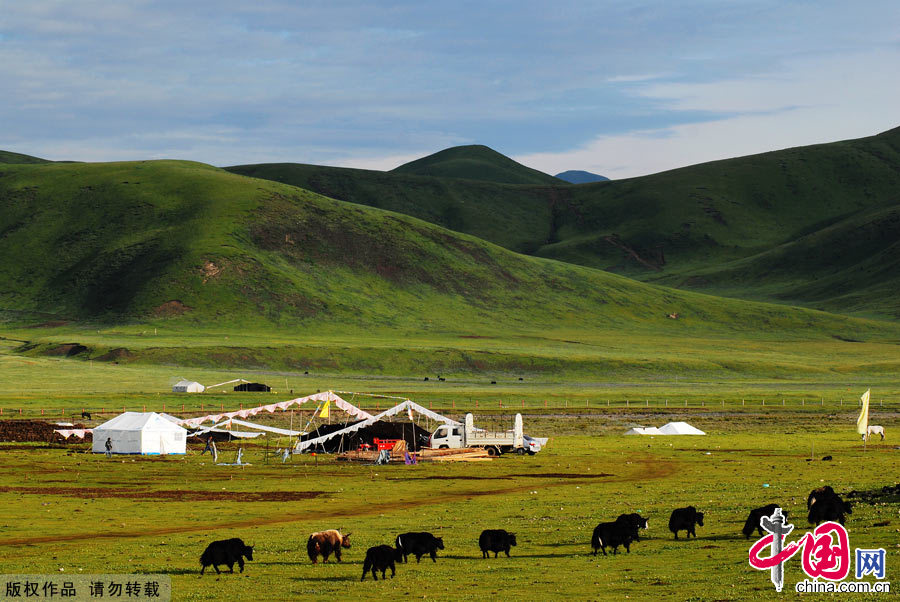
(380, 558)
(419, 544)
(226, 551)
(615, 534)
(752, 523)
(826, 505)
(636, 521)
(685, 519)
(326, 542)
(496, 541)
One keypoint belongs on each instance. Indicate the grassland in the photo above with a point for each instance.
(68, 512)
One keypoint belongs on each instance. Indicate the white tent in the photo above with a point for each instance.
(679, 428)
(187, 386)
(409, 406)
(140, 433)
(644, 430)
(320, 398)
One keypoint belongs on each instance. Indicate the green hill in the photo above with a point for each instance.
(18, 158)
(515, 217)
(679, 228)
(476, 162)
(156, 239)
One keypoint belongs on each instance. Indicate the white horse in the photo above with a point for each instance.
(874, 430)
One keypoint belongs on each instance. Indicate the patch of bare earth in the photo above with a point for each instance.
(170, 308)
(176, 495)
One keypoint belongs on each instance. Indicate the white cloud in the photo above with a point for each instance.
(634, 78)
(809, 101)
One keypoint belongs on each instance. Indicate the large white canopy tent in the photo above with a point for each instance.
(318, 398)
(408, 406)
(145, 433)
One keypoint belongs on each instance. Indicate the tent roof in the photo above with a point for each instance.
(680, 428)
(407, 405)
(235, 434)
(170, 418)
(642, 430)
(139, 421)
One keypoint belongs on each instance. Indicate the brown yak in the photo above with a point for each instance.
(326, 542)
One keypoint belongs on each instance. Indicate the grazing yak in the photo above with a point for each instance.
(226, 551)
(496, 541)
(685, 519)
(756, 514)
(326, 542)
(380, 558)
(615, 534)
(419, 544)
(825, 505)
(637, 521)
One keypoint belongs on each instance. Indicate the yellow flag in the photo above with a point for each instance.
(862, 423)
(324, 412)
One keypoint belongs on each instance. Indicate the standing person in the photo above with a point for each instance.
(208, 447)
(108, 447)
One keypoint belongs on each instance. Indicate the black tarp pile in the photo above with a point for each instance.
(253, 387)
(415, 436)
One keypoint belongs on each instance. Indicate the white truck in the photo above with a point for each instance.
(450, 436)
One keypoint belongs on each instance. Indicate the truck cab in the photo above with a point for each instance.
(448, 437)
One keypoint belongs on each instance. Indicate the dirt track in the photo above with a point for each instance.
(177, 495)
(651, 468)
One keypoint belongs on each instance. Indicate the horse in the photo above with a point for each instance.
(874, 430)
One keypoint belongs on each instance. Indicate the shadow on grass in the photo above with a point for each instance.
(512, 556)
(196, 571)
(334, 578)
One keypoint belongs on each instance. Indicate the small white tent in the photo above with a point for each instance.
(679, 428)
(140, 433)
(643, 430)
(187, 386)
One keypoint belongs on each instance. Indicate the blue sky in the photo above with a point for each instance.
(618, 88)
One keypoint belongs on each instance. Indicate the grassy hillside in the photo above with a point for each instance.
(18, 158)
(476, 162)
(722, 227)
(736, 207)
(166, 238)
(515, 217)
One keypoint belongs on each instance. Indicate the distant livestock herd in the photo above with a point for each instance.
(822, 504)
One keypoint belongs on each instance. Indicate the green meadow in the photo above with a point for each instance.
(68, 511)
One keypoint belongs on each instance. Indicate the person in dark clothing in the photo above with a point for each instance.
(108, 447)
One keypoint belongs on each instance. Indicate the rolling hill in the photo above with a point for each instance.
(697, 227)
(476, 162)
(18, 158)
(516, 217)
(186, 241)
